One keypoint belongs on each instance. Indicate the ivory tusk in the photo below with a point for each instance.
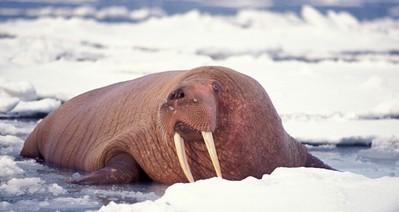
(181, 154)
(210, 145)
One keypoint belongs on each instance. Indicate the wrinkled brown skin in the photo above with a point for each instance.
(123, 132)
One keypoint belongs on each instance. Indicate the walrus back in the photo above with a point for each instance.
(80, 129)
(30, 148)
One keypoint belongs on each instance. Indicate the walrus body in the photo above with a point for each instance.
(123, 132)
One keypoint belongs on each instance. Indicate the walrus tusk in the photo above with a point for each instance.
(181, 154)
(210, 145)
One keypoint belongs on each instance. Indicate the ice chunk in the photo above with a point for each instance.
(30, 185)
(136, 196)
(46, 105)
(56, 189)
(10, 145)
(59, 203)
(4, 205)
(20, 186)
(8, 167)
(16, 128)
(283, 190)
(7, 103)
(71, 203)
(20, 98)
(22, 90)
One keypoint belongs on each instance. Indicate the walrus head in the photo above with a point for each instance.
(190, 112)
(226, 109)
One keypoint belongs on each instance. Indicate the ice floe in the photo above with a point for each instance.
(286, 189)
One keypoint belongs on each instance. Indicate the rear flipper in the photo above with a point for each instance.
(120, 169)
(313, 161)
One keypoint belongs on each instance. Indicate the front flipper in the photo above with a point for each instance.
(314, 162)
(120, 169)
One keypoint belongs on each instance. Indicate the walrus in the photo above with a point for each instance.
(174, 126)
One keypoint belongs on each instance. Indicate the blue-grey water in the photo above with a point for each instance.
(362, 9)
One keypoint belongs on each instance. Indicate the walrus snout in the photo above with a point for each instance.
(190, 113)
(193, 103)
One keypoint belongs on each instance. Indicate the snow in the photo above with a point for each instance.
(138, 196)
(15, 128)
(22, 90)
(21, 98)
(59, 203)
(377, 132)
(56, 189)
(10, 145)
(11, 93)
(236, 3)
(348, 80)
(18, 187)
(105, 53)
(30, 185)
(8, 167)
(46, 105)
(286, 189)
(112, 12)
(332, 78)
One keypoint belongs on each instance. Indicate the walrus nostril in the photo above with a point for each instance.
(177, 94)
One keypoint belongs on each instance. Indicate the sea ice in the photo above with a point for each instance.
(286, 189)
(8, 167)
(20, 186)
(40, 106)
(30, 185)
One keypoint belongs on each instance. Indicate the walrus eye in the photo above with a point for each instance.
(177, 94)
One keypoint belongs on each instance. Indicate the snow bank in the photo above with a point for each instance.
(295, 189)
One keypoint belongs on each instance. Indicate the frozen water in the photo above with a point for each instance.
(8, 167)
(298, 189)
(332, 77)
(40, 106)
